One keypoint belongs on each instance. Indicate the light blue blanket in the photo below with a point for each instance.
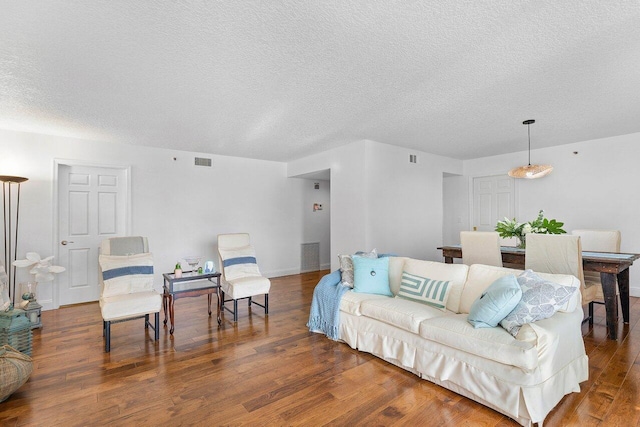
(325, 306)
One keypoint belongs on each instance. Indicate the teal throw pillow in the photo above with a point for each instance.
(371, 275)
(424, 290)
(497, 301)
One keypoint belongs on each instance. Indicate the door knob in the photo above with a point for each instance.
(64, 242)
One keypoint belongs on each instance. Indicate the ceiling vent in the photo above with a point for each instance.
(201, 161)
(413, 158)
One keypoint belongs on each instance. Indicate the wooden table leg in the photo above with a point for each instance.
(164, 307)
(448, 260)
(209, 303)
(219, 305)
(623, 287)
(610, 303)
(171, 302)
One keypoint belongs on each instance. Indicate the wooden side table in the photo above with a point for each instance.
(191, 284)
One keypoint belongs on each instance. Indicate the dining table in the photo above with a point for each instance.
(613, 267)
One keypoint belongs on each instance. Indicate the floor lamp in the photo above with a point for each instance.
(11, 212)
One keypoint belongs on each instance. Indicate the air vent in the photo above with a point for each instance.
(310, 257)
(413, 158)
(201, 161)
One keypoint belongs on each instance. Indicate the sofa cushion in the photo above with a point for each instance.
(399, 312)
(396, 267)
(490, 343)
(371, 275)
(480, 278)
(540, 300)
(351, 301)
(456, 274)
(495, 303)
(424, 290)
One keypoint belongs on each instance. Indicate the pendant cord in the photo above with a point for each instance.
(529, 133)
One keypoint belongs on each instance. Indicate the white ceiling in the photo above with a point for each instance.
(279, 80)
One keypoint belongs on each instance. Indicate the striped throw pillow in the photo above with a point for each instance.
(126, 274)
(424, 290)
(239, 262)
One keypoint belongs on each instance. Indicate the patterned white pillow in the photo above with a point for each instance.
(540, 300)
(125, 274)
(239, 262)
(424, 290)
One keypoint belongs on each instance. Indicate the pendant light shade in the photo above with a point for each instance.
(530, 171)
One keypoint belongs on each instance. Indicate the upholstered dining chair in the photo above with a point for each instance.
(598, 241)
(126, 276)
(555, 253)
(481, 247)
(240, 275)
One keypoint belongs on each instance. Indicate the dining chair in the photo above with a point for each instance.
(597, 241)
(481, 247)
(557, 254)
(126, 278)
(240, 275)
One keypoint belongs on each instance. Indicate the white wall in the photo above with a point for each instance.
(180, 207)
(596, 188)
(316, 226)
(455, 208)
(380, 200)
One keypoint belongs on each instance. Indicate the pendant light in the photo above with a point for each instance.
(530, 171)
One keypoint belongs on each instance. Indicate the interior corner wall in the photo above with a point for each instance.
(596, 188)
(380, 200)
(180, 207)
(347, 198)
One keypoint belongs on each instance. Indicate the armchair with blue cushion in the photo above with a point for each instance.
(126, 275)
(241, 277)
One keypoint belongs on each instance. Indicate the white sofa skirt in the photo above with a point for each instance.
(525, 396)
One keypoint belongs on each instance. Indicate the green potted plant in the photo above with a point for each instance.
(178, 270)
(541, 225)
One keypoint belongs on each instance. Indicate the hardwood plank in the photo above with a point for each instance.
(270, 370)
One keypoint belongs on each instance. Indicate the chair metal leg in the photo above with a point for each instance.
(235, 310)
(249, 305)
(266, 303)
(157, 321)
(591, 313)
(107, 336)
(146, 321)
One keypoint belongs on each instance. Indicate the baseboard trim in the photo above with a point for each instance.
(634, 291)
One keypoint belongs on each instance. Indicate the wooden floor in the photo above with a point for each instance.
(272, 371)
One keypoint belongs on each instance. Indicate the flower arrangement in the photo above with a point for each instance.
(519, 230)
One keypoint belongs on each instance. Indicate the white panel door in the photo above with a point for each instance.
(92, 203)
(493, 200)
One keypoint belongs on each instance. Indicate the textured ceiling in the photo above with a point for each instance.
(279, 80)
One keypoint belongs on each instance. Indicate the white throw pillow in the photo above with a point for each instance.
(239, 262)
(124, 274)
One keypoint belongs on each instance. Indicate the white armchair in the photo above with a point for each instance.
(241, 277)
(126, 275)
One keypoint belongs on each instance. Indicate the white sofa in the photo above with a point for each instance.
(523, 377)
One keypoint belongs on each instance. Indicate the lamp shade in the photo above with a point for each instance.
(530, 171)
